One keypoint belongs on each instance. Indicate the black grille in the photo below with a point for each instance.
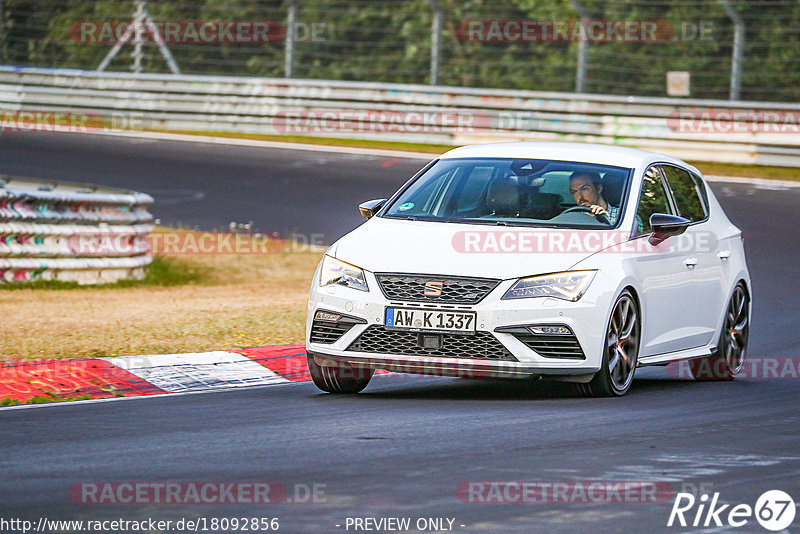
(325, 332)
(549, 346)
(454, 290)
(481, 346)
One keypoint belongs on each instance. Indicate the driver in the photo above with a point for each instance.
(587, 190)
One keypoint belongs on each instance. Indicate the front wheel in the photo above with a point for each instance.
(339, 377)
(621, 352)
(726, 363)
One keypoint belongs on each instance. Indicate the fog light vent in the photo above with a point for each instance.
(550, 330)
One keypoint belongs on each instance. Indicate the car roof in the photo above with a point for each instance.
(578, 152)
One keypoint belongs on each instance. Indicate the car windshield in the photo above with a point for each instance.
(515, 192)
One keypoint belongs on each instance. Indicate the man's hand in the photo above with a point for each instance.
(598, 210)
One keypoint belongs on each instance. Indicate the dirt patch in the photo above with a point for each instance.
(238, 300)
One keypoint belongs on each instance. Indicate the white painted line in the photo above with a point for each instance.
(198, 371)
(232, 141)
(178, 378)
(130, 363)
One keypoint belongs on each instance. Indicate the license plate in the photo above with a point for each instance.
(421, 320)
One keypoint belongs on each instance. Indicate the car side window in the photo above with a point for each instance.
(686, 193)
(653, 199)
(701, 187)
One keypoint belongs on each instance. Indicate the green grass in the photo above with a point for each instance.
(327, 141)
(54, 398)
(748, 171)
(44, 399)
(164, 271)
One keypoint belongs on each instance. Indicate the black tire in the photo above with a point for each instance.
(621, 351)
(339, 377)
(727, 361)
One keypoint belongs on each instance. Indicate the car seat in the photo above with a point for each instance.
(502, 198)
(613, 183)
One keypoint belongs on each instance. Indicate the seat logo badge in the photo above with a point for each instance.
(433, 289)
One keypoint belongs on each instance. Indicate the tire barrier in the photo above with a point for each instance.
(36, 99)
(72, 232)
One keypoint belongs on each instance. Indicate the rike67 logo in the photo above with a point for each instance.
(774, 510)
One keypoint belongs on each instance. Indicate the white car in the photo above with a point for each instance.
(568, 261)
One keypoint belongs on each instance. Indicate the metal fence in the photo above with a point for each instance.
(71, 232)
(704, 130)
(730, 49)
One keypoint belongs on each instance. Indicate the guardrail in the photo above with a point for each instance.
(72, 232)
(706, 130)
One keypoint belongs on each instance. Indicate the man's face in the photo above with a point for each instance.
(585, 192)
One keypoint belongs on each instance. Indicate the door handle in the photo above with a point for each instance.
(690, 262)
(724, 255)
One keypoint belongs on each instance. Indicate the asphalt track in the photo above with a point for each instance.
(315, 194)
(401, 448)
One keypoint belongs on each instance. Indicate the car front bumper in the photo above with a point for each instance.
(585, 318)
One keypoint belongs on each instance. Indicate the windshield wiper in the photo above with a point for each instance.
(516, 223)
(402, 217)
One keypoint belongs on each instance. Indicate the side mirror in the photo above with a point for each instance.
(369, 208)
(665, 226)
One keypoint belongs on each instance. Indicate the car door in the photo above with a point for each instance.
(703, 247)
(667, 280)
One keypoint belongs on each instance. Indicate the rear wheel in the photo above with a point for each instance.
(726, 363)
(338, 377)
(621, 352)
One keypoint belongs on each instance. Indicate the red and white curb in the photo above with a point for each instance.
(131, 376)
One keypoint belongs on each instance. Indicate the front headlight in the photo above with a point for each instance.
(570, 285)
(337, 272)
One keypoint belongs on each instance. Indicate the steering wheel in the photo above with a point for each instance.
(586, 209)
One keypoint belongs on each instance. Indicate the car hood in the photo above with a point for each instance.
(403, 246)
